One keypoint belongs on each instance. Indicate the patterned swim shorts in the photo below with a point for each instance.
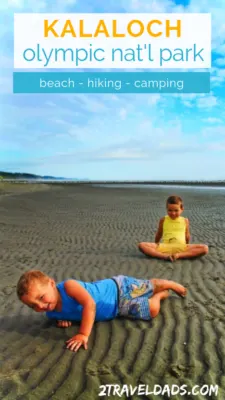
(133, 297)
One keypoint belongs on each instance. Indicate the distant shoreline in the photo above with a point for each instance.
(124, 183)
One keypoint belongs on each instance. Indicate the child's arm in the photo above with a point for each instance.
(187, 233)
(81, 295)
(159, 232)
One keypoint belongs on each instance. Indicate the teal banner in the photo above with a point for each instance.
(111, 82)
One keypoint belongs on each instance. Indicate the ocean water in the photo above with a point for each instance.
(123, 185)
(148, 186)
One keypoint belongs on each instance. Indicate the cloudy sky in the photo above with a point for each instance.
(114, 136)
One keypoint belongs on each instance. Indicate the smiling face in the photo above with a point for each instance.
(174, 210)
(42, 296)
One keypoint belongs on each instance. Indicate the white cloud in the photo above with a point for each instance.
(60, 122)
(16, 3)
(201, 100)
(153, 99)
(123, 154)
(154, 6)
(207, 102)
(50, 103)
(212, 120)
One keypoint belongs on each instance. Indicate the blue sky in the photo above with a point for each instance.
(114, 136)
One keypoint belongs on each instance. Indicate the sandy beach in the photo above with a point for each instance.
(91, 233)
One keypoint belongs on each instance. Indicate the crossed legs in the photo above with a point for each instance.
(193, 250)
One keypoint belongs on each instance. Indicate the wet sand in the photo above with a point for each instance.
(92, 233)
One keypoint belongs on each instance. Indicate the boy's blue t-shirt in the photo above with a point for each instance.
(104, 293)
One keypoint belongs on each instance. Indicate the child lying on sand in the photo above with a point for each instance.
(175, 234)
(102, 300)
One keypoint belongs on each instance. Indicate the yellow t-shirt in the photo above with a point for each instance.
(174, 230)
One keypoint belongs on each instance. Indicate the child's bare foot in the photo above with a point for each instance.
(160, 285)
(64, 324)
(178, 289)
(175, 256)
(168, 257)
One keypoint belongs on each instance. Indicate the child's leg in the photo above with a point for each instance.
(150, 249)
(161, 291)
(160, 285)
(64, 324)
(193, 250)
(154, 302)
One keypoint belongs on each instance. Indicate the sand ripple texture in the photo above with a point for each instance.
(92, 233)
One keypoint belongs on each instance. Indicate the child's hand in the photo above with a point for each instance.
(63, 324)
(76, 342)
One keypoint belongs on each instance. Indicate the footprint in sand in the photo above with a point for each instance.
(179, 370)
(99, 370)
(8, 290)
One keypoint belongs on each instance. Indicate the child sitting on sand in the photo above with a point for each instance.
(73, 300)
(175, 234)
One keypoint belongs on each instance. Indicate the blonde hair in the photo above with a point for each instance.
(27, 278)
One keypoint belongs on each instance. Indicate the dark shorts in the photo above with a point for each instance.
(133, 297)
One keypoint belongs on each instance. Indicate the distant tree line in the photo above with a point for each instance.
(23, 175)
(17, 175)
